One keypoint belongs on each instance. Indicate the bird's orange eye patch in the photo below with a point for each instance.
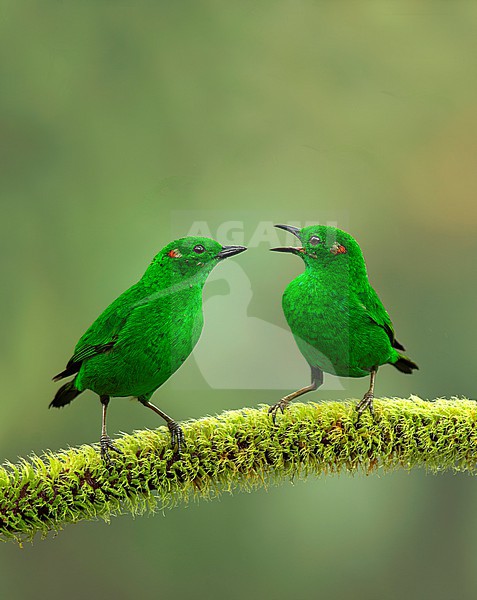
(338, 249)
(174, 253)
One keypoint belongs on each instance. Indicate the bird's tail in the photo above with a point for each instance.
(405, 364)
(65, 395)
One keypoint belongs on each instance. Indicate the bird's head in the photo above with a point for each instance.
(323, 245)
(189, 258)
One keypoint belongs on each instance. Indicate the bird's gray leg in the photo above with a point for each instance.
(316, 381)
(105, 440)
(177, 435)
(367, 401)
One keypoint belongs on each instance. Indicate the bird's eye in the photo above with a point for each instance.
(199, 249)
(315, 240)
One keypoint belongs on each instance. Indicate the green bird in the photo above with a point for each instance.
(336, 317)
(146, 334)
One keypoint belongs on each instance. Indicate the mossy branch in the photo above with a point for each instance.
(237, 450)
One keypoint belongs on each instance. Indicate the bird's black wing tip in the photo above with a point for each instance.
(398, 345)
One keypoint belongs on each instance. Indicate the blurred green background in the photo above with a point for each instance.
(117, 116)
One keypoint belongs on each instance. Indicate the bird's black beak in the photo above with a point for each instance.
(290, 249)
(230, 251)
(296, 232)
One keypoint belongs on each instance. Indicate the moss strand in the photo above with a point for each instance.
(237, 450)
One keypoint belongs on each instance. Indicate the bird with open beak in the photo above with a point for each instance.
(336, 317)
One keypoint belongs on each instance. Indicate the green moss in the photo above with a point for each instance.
(236, 450)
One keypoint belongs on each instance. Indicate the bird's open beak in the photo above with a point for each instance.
(230, 251)
(296, 232)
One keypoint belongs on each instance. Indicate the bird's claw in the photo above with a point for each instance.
(275, 408)
(106, 445)
(177, 437)
(365, 403)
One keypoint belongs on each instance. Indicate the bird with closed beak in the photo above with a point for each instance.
(336, 317)
(146, 334)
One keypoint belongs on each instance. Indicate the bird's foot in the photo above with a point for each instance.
(106, 445)
(281, 405)
(177, 437)
(365, 403)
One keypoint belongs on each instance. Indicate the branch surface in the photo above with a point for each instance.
(239, 449)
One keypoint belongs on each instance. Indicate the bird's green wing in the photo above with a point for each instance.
(378, 314)
(104, 332)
